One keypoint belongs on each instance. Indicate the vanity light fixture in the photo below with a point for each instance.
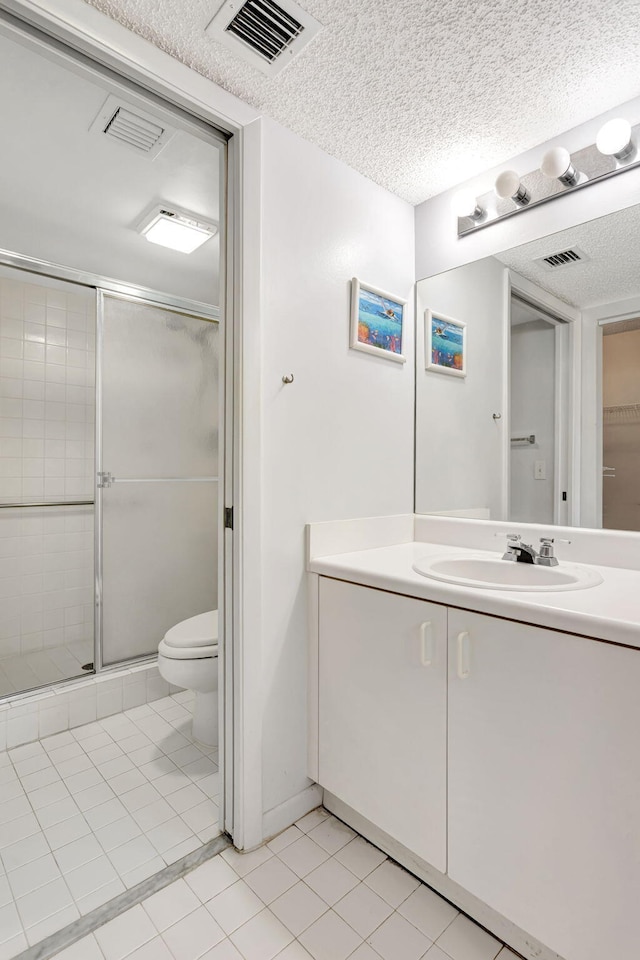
(465, 204)
(176, 229)
(556, 164)
(509, 187)
(614, 152)
(614, 139)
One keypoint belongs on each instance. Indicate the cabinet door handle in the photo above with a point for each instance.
(464, 649)
(426, 643)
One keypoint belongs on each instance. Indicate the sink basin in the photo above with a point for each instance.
(489, 573)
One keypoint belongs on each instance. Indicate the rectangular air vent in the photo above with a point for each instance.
(265, 27)
(263, 32)
(139, 133)
(132, 127)
(564, 258)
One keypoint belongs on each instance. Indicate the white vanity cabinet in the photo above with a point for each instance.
(544, 782)
(514, 770)
(383, 711)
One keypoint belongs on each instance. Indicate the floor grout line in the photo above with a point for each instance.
(86, 925)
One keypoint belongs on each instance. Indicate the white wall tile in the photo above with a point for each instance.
(36, 413)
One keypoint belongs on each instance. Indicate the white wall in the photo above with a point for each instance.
(338, 442)
(459, 446)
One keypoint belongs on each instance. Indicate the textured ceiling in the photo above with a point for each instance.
(612, 273)
(419, 95)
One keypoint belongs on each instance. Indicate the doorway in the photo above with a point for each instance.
(620, 425)
(114, 383)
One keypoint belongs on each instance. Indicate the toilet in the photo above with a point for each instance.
(188, 657)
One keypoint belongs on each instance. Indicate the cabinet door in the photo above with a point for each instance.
(382, 711)
(544, 782)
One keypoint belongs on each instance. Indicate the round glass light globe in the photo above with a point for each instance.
(507, 184)
(464, 203)
(614, 137)
(555, 162)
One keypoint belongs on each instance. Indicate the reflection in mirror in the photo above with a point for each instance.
(621, 425)
(545, 428)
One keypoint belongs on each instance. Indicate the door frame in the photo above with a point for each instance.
(79, 31)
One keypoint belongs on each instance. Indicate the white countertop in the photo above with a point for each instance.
(609, 611)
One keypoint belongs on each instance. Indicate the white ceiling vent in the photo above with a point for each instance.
(564, 258)
(265, 33)
(132, 127)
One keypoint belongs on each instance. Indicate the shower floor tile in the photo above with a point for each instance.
(41, 667)
(90, 812)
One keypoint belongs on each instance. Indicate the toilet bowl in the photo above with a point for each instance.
(188, 657)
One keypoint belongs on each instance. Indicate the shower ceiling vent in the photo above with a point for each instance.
(266, 34)
(564, 258)
(132, 127)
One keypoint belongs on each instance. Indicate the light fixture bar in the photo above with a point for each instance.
(587, 166)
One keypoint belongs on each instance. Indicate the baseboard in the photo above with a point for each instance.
(277, 819)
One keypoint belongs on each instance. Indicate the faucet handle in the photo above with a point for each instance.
(513, 545)
(547, 557)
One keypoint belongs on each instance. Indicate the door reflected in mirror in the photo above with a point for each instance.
(545, 428)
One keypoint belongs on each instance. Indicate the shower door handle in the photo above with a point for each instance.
(107, 479)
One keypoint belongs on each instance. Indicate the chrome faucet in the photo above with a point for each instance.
(519, 551)
(525, 553)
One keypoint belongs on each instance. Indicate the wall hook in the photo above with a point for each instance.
(497, 416)
(288, 379)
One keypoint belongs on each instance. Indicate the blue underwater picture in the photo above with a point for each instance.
(380, 321)
(447, 344)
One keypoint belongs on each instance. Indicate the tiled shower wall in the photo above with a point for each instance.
(47, 413)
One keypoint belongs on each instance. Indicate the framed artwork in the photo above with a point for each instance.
(445, 344)
(377, 321)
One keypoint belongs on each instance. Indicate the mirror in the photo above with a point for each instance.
(543, 424)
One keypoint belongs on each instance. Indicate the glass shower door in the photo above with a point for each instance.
(157, 479)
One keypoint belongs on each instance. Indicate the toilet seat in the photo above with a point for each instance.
(192, 639)
(187, 653)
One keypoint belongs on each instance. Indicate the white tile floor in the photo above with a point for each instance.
(90, 812)
(317, 891)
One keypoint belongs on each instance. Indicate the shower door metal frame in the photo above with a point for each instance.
(175, 305)
(104, 286)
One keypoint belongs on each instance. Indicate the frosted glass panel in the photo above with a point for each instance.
(160, 392)
(160, 443)
(159, 562)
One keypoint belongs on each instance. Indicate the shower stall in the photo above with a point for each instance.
(108, 472)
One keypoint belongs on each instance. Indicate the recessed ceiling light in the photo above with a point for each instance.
(176, 229)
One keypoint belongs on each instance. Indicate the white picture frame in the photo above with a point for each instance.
(377, 322)
(445, 340)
